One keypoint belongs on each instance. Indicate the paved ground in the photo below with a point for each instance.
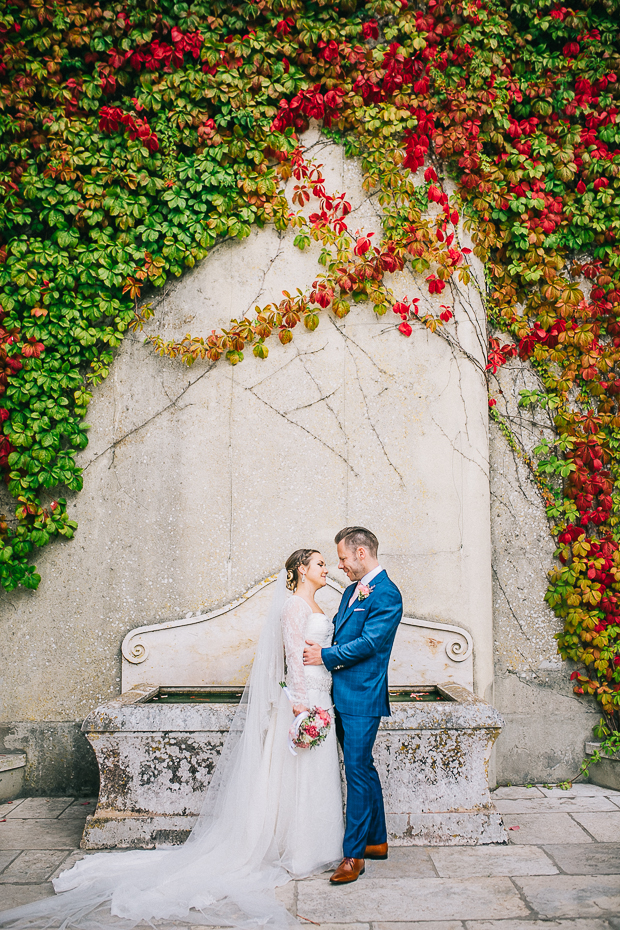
(560, 870)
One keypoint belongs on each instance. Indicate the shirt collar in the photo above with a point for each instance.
(370, 575)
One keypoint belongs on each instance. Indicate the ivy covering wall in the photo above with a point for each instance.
(136, 134)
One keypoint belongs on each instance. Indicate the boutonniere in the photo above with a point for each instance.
(363, 591)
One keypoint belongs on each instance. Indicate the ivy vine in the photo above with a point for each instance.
(136, 134)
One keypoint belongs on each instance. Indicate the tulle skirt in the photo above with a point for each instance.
(275, 819)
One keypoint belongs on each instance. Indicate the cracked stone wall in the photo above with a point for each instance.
(546, 725)
(199, 482)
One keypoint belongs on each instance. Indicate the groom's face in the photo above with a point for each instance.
(349, 562)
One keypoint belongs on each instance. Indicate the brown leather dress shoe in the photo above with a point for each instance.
(349, 870)
(379, 851)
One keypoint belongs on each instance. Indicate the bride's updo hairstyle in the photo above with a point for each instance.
(299, 557)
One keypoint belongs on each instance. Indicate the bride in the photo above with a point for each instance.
(268, 815)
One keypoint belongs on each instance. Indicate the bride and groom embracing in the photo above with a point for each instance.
(270, 814)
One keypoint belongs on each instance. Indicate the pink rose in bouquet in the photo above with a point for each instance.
(309, 729)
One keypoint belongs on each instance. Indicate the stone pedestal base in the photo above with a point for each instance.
(156, 760)
(114, 829)
(466, 828)
(12, 767)
(605, 772)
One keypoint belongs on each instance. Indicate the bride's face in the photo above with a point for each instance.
(316, 573)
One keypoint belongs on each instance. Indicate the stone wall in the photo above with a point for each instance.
(199, 482)
(546, 723)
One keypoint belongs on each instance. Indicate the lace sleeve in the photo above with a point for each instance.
(294, 616)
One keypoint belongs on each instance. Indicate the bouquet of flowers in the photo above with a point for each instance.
(309, 728)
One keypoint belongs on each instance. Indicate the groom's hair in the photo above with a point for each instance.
(355, 536)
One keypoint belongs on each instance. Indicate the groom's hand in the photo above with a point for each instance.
(312, 653)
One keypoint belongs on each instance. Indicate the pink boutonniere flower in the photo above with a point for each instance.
(363, 591)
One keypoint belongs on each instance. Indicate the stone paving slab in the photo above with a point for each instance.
(587, 924)
(415, 925)
(409, 900)
(72, 857)
(403, 862)
(486, 861)
(9, 806)
(593, 859)
(365, 926)
(515, 793)
(41, 834)
(514, 887)
(33, 865)
(572, 895)
(16, 895)
(544, 829)
(7, 856)
(576, 791)
(552, 805)
(80, 808)
(604, 827)
(39, 808)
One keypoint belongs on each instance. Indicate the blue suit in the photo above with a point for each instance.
(358, 659)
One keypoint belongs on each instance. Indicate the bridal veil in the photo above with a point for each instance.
(227, 871)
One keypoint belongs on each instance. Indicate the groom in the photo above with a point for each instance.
(364, 631)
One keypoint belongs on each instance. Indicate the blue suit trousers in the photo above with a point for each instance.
(365, 818)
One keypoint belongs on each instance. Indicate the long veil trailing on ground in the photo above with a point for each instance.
(227, 871)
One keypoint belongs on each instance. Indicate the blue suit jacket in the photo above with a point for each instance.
(359, 657)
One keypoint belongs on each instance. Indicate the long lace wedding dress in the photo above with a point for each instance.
(310, 824)
(267, 815)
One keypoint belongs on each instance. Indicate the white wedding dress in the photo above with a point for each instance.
(310, 823)
(267, 816)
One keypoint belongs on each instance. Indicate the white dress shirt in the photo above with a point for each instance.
(365, 580)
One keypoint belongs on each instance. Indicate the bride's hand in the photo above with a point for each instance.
(299, 709)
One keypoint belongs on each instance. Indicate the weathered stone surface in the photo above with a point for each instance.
(572, 895)
(16, 895)
(12, 767)
(556, 805)
(7, 856)
(410, 900)
(546, 724)
(446, 829)
(419, 925)
(79, 809)
(540, 829)
(287, 895)
(578, 790)
(594, 859)
(432, 761)
(156, 760)
(8, 806)
(578, 924)
(218, 648)
(604, 827)
(38, 808)
(515, 793)
(60, 760)
(487, 861)
(403, 862)
(40, 834)
(114, 829)
(31, 866)
(606, 773)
